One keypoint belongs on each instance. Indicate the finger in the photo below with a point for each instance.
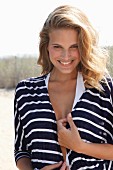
(54, 166)
(62, 120)
(63, 166)
(61, 123)
(64, 124)
(70, 121)
(67, 168)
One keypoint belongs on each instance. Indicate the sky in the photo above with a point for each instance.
(22, 20)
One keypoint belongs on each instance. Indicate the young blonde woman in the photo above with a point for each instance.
(64, 118)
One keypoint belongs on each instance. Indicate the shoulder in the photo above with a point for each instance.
(108, 88)
(106, 92)
(28, 85)
(108, 84)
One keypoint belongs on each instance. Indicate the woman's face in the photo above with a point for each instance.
(63, 50)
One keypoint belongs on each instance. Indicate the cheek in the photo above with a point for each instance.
(54, 54)
(76, 54)
(51, 51)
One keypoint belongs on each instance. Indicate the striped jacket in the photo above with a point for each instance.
(36, 128)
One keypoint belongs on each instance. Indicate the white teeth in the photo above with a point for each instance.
(65, 63)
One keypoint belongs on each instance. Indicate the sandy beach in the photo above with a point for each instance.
(6, 130)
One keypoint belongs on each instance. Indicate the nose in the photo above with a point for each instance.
(66, 54)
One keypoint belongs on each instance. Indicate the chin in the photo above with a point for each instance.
(67, 72)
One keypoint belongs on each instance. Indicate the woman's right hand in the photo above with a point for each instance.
(60, 165)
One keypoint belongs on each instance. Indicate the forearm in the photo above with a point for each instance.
(101, 151)
(24, 164)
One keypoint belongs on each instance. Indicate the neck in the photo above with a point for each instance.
(62, 77)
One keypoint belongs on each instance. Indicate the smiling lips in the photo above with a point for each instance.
(66, 63)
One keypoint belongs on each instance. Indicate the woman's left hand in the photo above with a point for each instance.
(69, 138)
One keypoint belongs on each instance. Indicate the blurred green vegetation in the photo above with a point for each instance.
(13, 69)
(110, 64)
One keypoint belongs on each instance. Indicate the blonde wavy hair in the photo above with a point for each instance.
(93, 58)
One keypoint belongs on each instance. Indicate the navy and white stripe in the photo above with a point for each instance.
(36, 129)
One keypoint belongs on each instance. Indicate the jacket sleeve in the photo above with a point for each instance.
(20, 144)
(111, 97)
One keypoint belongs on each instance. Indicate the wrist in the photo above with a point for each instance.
(81, 147)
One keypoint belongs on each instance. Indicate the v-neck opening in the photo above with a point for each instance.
(80, 88)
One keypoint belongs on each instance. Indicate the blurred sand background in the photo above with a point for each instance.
(7, 130)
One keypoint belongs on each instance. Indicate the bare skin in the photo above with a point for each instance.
(101, 151)
(64, 55)
(25, 164)
(62, 96)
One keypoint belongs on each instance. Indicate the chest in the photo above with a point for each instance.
(62, 99)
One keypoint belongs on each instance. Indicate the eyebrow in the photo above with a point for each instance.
(76, 44)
